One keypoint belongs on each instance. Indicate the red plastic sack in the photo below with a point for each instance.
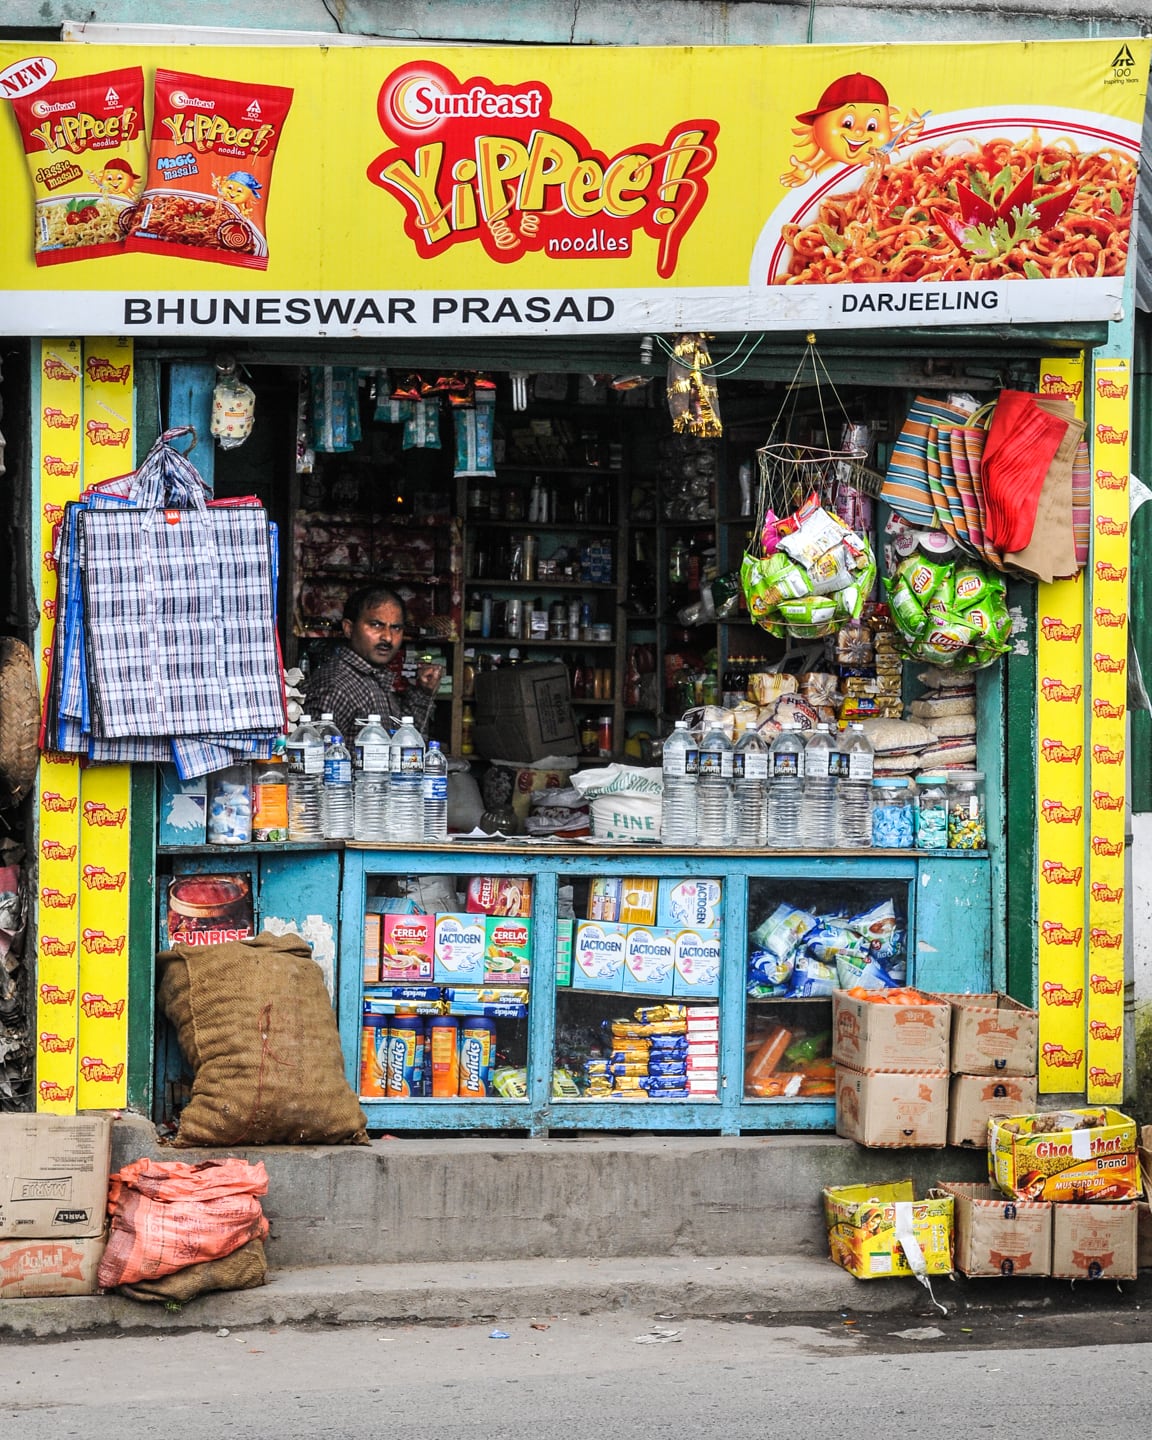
(166, 1216)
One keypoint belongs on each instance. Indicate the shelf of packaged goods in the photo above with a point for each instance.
(542, 583)
(504, 641)
(584, 700)
(786, 1000)
(518, 467)
(364, 577)
(562, 527)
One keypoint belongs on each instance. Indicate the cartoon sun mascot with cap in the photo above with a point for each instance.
(117, 178)
(853, 124)
(240, 189)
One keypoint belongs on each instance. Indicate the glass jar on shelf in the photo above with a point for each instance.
(932, 811)
(893, 812)
(967, 818)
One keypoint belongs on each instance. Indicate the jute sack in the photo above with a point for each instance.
(254, 1020)
(244, 1269)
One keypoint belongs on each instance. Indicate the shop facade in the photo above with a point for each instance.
(539, 233)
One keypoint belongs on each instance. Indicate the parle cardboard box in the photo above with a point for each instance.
(975, 1099)
(868, 1035)
(885, 1110)
(998, 1236)
(1094, 1242)
(33, 1269)
(875, 1230)
(1067, 1155)
(54, 1176)
(992, 1035)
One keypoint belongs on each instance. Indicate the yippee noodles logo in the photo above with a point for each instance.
(477, 162)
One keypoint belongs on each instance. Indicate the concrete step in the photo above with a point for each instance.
(463, 1200)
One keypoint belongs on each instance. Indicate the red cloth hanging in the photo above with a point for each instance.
(1021, 445)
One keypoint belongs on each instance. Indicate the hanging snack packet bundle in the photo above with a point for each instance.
(949, 613)
(209, 169)
(86, 151)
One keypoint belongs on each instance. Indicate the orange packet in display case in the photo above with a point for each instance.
(86, 151)
(210, 169)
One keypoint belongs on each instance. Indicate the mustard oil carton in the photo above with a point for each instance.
(649, 960)
(507, 950)
(697, 962)
(598, 955)
(461, 944)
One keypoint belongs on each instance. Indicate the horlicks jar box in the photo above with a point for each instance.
(697, 962)
(694, 903)
(649, 959)
(460, 944)
(598, 955)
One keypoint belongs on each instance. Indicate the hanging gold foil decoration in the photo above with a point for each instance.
(692, 398)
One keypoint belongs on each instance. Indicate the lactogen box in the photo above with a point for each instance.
(694, 903)
(598, 955)
(460, 947)
(697, 962)
(649, 960)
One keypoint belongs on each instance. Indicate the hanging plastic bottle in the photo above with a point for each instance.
(372, 761)
(435, 793)
(681, 763)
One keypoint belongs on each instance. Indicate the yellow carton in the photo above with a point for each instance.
(878, 1231)
(1043, 1157)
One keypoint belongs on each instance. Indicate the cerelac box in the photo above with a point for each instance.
(461, 942)
(598, 955)
(408, 948)
(649, 960)
(507, 949)
(697, 962)
(691, 903)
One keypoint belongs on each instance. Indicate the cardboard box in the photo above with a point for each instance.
(905, 1039)
(1031, 1162)
(998, 1236)
(887, 1110)
(638, 900)
(373, 947)
(564, 929)
(500, 895)
(183, 809)
(697, 964)
(525, 713)
(38, 1268)
(649, 960)
(690, 903)
(408, 951)
(1094, 1242)
(460, 943)
(993, 1035)
(604, 898)
(973, 1100)
(869, 1226)
(598, 955)
(54, 1176)
(507, 950)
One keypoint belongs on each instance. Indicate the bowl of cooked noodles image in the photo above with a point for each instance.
(203, 222)
(979, 195)
(67, 221)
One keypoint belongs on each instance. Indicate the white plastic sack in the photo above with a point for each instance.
(625, 801)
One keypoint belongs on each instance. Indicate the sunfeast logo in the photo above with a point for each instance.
(475, 161)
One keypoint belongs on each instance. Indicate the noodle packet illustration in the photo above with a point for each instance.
(86, 152)
(210, 169)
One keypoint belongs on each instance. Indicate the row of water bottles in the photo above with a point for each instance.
(806, 790)
(392, 789)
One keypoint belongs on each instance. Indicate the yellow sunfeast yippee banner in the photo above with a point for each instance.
(1108, 576)
(1060, 809)
(58, 776)
(105, 790)
(375, 192)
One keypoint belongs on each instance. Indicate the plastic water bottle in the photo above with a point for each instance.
(327, 727)
(435, 792)
(681, 767)
(406, 807)
(818, 825)
(337, 793)
(305, 752)
(372, 763)
(786, 789)
(750, 789)
(714, 790)
(854, 789)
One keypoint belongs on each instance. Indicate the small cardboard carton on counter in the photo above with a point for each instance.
(976, 1099)
(992, 1035)
(886, 1111)
(879, 1231)
(896, 1038)
(1094, 1242)
(1065, 1155)
(33, 1269)
(54, 1176)
(998, 1236)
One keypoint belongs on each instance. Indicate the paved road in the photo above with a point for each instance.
(1031, 1377)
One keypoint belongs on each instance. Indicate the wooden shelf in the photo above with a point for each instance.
(539, 584)
(504, 641)
(554, 527)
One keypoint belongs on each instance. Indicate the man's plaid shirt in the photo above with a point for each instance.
(351, 688)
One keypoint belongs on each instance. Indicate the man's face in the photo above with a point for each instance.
(378, 633)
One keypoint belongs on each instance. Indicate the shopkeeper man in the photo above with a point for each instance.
(360, 679)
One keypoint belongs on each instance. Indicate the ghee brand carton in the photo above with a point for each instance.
(35, 1269)
(598, 955)
(879, 1231)
(507, 950)
(973, 1100)
(54, 1176)
(638, 900)
(1065, 1155)
(998, 1236)
(697, 963)
(895, 1038)
(692, 903)
(408, 951)
(373, 947)
(649, 960)
(992, 1035)
(564, 928)
(888, 1111)
(1094, 1242)
(460, 946)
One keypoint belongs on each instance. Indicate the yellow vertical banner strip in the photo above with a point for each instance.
(1060, 779)
(105, 789)
(1108, 609)
(58, 776)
